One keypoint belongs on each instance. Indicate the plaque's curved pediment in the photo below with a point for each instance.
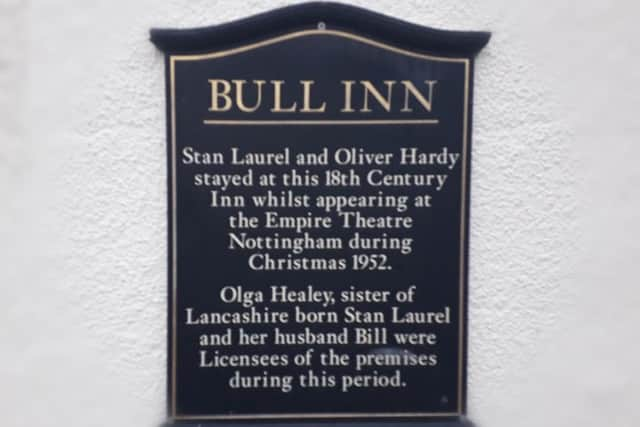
(320, 15)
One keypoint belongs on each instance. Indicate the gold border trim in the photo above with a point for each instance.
(318, 415)
(303, 33)
(174, 236)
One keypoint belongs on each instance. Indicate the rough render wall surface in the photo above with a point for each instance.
(553, 296)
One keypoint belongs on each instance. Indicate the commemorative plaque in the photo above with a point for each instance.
(318, 181)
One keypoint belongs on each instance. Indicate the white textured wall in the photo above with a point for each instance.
(555, 303)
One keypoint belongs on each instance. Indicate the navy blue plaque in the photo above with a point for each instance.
(318, 177)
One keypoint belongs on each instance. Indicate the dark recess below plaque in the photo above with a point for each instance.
(381, 423)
